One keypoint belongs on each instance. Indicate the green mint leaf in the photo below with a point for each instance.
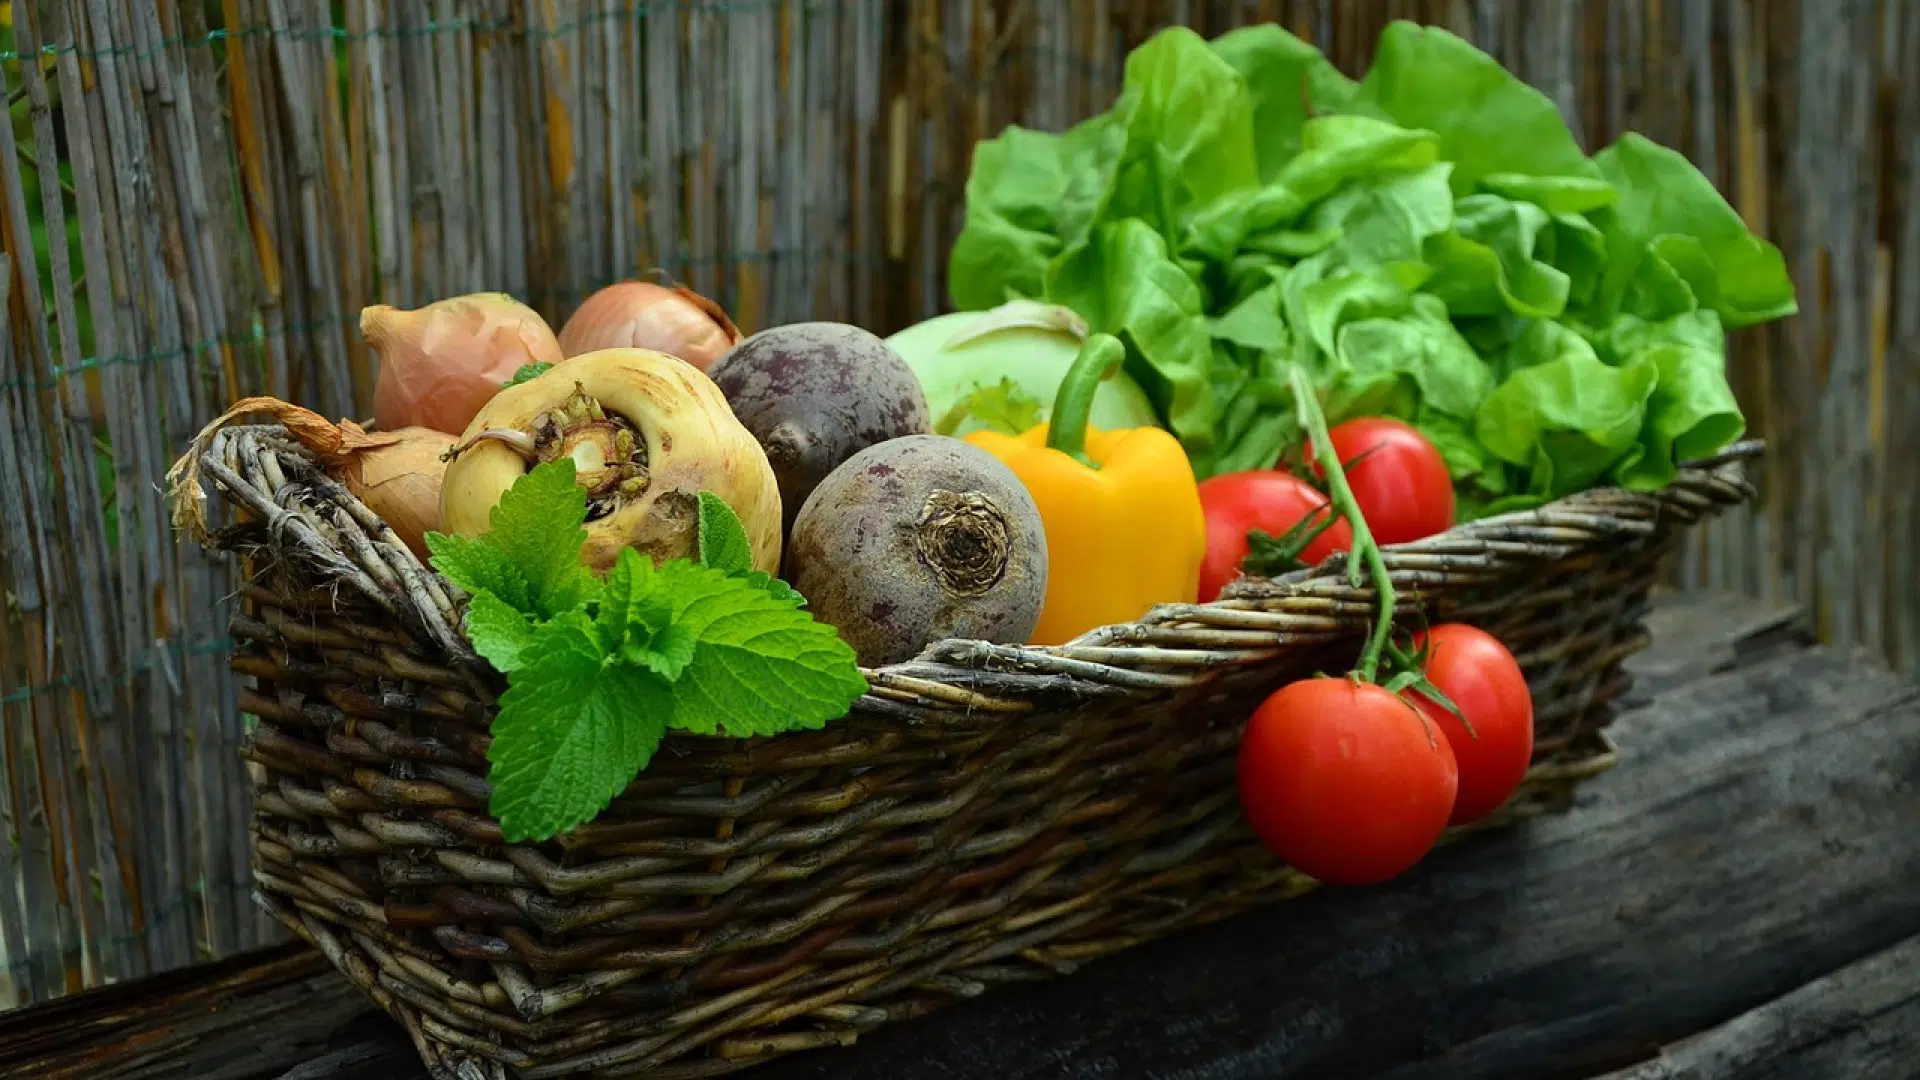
(762, 665)
(537, 524)
(635, 620)
(632, 602)
(667, 655)
(777, 588)
(572, 732)
(479, 567)
(723, 540)
(528, 371)
(499, 632)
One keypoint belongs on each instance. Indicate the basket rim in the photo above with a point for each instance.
(1170, 647)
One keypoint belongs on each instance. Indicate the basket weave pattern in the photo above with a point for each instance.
(986, 814)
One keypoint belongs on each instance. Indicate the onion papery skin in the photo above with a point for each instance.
(642, 315)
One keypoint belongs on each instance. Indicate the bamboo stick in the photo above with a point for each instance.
(102, 747)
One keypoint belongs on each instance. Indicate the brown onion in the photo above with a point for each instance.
(401, 483)
(439, 364)
(641, 315)
(396, 473)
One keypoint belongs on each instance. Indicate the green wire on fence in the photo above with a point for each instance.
(259, 335)
(210, 647)
(340, 34)
(188, 904)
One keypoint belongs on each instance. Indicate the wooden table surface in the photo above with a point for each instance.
(1740, 898)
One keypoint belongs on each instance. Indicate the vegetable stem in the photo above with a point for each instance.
(1100, 358)
(1364, 550)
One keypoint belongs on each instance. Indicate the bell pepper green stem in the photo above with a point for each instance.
(1365, 553)
(1100, 358)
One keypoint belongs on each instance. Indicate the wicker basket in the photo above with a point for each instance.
(986, 814)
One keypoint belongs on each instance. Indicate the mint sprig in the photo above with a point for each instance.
(724, 546)
(599, 671)
(572, 733)
(723, 540)
(530, 555)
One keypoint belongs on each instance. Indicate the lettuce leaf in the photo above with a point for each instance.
(1489, 262)
(1284, 77)
(1565, 421)
(1675, 244)
(1014, 205)
(1429, 242)
(1488, 122)
(1124, 282)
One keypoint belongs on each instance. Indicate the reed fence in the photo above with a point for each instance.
(197, 198)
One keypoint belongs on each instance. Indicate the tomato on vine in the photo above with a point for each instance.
(1481, 678)
(1345, 781)
(1262, 521)
(1398, 478)
(1344, 778)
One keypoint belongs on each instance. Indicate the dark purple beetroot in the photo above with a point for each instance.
(815, 394)
(919, 539)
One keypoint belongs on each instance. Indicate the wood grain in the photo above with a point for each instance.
(1750, 845)
(222, 1020)
(242, 176)
(1860, 1021)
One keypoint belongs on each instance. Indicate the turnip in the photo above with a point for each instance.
(814, 394)
(647, 433)
(918, 539)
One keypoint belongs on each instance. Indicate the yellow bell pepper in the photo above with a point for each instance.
(1121, 509)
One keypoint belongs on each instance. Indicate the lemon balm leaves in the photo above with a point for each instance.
(762, 666)
(630, 602)
(573, 731)
(682, 647)
(723, 540)
(498, 632)
(539, 523)
(480, 567)
(527, 372)
(598, 672)
(530, 555)
(742, 657)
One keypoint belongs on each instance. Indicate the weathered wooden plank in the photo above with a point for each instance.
(1701, 634)
(369, 1049)
(225, 1021)
(1750, 843)
(235, 210)
(1860, 1021)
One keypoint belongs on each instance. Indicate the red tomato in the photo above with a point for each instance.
(1344, 781)
(1479, 675)
(1263, 499)
(1402, 486)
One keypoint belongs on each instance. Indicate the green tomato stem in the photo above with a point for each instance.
(1100, 358)
(1364, 551)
